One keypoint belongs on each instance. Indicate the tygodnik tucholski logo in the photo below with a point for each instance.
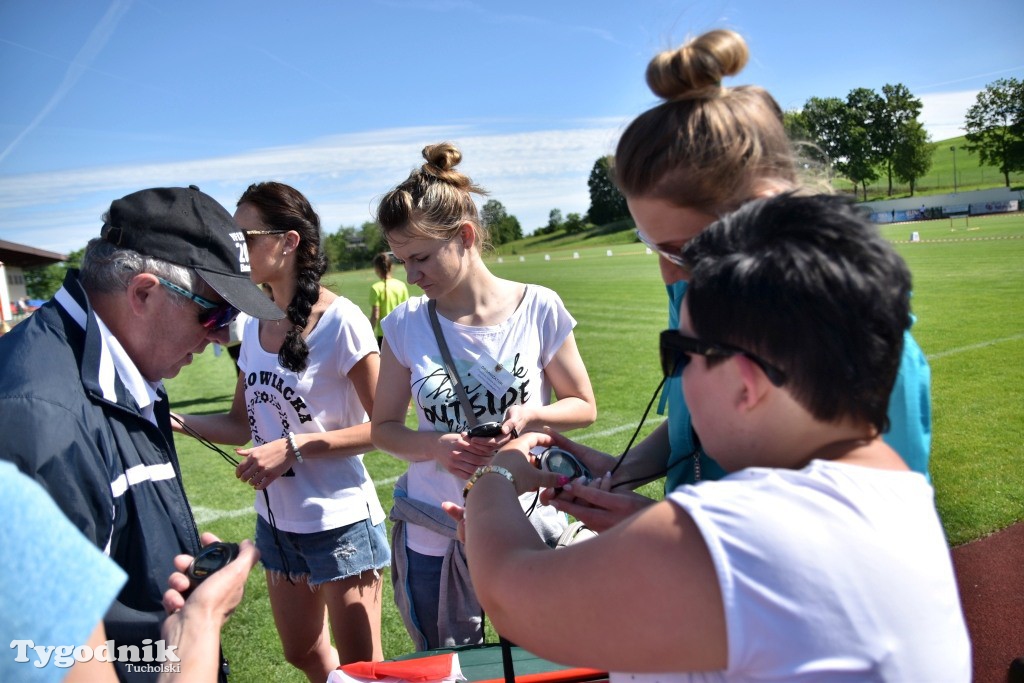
(152, 657)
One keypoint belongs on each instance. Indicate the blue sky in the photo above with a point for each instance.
(101, 98)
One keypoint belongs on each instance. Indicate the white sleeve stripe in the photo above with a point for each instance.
(141, 473)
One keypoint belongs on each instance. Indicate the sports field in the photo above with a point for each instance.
(969, 303)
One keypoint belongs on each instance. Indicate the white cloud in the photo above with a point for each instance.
(344, 175)
(530, 173)
(943, 113)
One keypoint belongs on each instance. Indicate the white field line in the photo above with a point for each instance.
(973, 347)
(207, 515)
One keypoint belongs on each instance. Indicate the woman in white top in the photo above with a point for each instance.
(305, 391)
(512, 345)
(820, 556)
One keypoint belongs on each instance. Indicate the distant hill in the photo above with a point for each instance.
(970, 176)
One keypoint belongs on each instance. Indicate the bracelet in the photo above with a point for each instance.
(295, 449)
(487, 469)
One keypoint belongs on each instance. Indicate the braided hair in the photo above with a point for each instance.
(282, 207)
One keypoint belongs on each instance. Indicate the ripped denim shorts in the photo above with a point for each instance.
(325, 555)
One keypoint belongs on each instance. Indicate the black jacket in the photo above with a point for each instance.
(69, 422)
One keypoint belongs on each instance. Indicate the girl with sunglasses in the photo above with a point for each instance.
(820, 557)
(703, 152)
(305, 390)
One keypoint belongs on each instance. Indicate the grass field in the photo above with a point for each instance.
(969, 303)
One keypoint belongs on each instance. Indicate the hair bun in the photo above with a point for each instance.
(441, 158)
(695, 70)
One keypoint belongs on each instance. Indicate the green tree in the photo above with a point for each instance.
(995, 126)
(796, 126)
(606, 202)
(554, 224)
(504, 228)
(863, 107)
(574, 224)
(341, 246)
(555, 220)
(891, 117)
(43, 282)
(840, 130)
(912, 158)
(349, 248)
(373, 240)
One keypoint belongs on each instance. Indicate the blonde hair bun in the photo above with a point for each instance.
(695, 70)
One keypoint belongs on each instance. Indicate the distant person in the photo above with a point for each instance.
(819, 556)
(303, 397)
(80, 384)
(385, 295)
(512, 346)
(704, 151)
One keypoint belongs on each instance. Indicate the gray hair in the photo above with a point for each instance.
(108, 268)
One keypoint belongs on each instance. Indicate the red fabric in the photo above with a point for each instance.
(433, 668)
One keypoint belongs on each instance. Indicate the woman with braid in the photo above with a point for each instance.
(305, 391)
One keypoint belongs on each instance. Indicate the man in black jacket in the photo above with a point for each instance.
(82, 407)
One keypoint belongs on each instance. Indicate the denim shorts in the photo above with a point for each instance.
(325, 555)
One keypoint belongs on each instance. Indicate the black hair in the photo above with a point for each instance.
(809, 284)
(282, 207)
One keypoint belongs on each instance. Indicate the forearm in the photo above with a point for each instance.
(563, 415)
(221, 428)
(644, 462)
(197, 636)
(354, 440)
(404, 443)
(499, 538)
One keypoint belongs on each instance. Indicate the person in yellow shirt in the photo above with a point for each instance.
(384, 295)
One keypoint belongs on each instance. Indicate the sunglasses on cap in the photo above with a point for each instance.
(214, 316)
(676, 349)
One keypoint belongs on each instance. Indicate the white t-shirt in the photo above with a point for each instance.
(831, 573)
(523, 344)
(325, 493)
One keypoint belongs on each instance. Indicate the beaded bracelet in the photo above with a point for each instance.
(295, 449)
(486, 469)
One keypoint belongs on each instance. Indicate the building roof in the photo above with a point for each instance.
(24, 256)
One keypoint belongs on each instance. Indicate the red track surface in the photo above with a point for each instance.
(990, 572)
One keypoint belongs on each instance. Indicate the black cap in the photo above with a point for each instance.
(187, 227)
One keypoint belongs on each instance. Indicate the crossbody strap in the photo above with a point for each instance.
(449, 366)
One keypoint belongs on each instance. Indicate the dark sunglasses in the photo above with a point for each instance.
(676, 349)
(214, 316)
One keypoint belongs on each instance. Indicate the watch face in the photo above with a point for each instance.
(563, 462)
(211, 558)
